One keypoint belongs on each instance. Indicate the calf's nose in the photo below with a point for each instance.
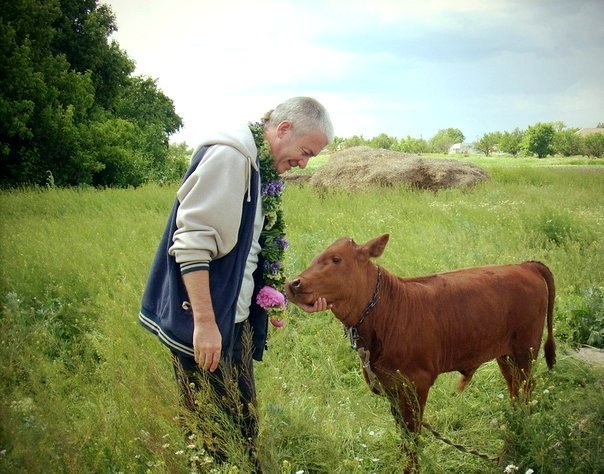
(293, 286)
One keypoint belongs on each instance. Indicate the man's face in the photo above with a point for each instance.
(290, 149)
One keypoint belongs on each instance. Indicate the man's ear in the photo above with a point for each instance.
(284, 127)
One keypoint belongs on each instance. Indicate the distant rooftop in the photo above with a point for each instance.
(589, 131)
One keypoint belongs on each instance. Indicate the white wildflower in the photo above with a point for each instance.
(510, 468)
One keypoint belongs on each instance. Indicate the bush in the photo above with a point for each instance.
(594, 145)
(580, 317)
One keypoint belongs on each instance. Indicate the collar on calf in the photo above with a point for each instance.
(352, 331)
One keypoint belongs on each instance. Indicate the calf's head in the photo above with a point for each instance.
(343, 274)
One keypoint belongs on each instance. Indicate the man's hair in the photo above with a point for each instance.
(305, 113)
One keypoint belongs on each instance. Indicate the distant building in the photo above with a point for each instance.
(462, 149)
(589, 131)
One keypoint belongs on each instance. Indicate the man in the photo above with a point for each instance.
(200, 298)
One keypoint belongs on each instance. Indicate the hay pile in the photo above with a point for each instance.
(363, 167)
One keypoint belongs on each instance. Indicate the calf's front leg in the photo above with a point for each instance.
(407, 401)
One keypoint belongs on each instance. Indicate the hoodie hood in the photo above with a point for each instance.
(239, 137)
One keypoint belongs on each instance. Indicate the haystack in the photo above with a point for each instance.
(363, 167)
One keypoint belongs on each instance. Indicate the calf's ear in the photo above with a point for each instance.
(377, 245)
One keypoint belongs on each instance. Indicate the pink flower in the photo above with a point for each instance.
(268, 297)
(278, 323)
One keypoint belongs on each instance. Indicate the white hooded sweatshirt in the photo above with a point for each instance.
(211, 207)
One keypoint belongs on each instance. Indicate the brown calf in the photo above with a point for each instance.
(421, 327)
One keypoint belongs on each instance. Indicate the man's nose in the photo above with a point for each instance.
(302, 162)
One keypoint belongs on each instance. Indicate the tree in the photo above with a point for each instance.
(558, 125)
(179, 157)
(382, 141)
(142, 103)
(594, 145)
(538, 139)
(511, 142)
(64, 95)
(43, 102)
(356, 140)
(442, 141)
(411, 145)
(567, 143)
(82, 33)
(338, 143)
(488, 143)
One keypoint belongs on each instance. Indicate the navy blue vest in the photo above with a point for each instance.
(165, 310)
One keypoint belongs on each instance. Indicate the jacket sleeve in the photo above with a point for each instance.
(209, 215)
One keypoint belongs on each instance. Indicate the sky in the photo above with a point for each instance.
(400, 67)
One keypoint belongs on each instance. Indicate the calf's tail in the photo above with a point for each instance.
(550, 344)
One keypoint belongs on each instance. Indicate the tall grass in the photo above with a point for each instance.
(85, 389)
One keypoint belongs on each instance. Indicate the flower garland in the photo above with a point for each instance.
(272, 237)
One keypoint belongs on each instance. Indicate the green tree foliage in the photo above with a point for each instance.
(142, 103)
(593, 145)
(412, 145)
(567, 142)
(69, 107)
(511, 142)
(407, 145)
(382, 141)
(174, 168)
(356, 140)
(488, 143)
(539, 139)
(338, 143)
(442, 141)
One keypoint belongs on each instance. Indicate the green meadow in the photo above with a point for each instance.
(86, 389)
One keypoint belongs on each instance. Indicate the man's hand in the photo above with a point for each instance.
(207, 345)
(319, 305)
(207, 341)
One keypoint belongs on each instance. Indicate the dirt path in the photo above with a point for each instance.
(589, 354)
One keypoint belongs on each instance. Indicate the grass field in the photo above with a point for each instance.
(86, 389)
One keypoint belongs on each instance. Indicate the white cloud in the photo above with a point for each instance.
(395, 66)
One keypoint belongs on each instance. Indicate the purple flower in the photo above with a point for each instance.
(272, 268)
(282, 242)
(274, 188)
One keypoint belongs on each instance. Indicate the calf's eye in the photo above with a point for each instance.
(336, 259)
